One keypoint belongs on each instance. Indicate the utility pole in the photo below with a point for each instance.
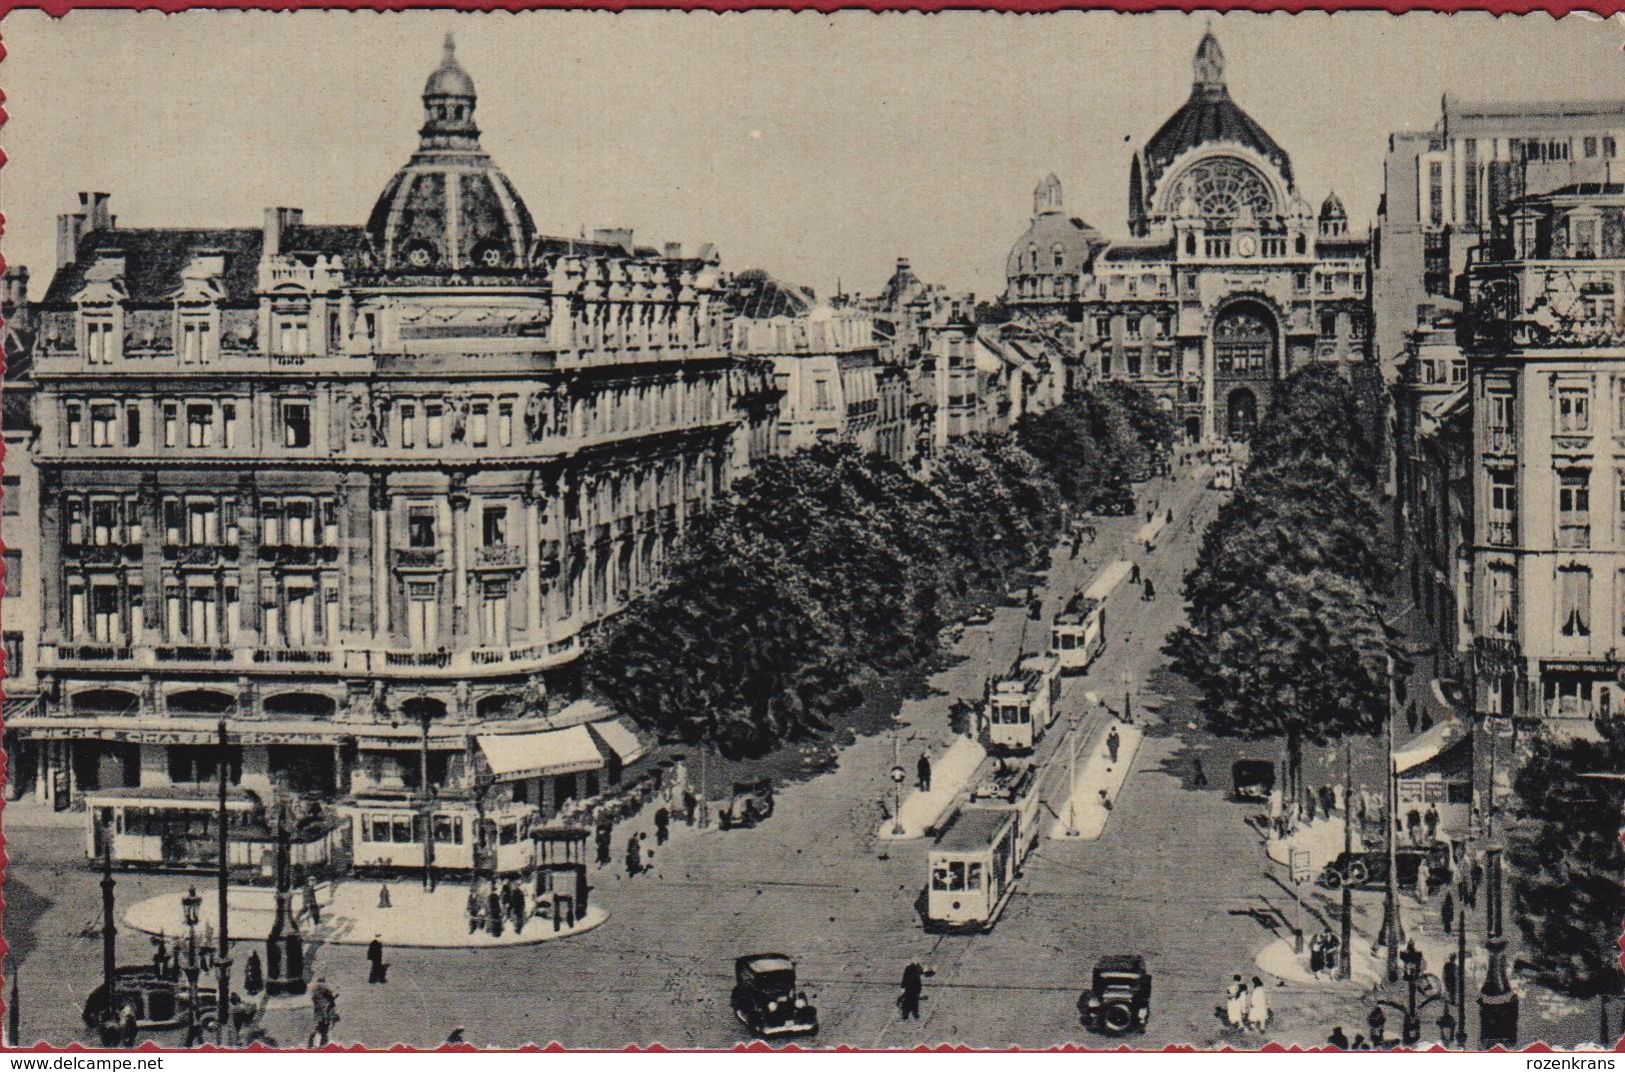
(1391, 929)
(427, 801)
(222, 959)
(109, 956)
(1345, 965)
(1497, 1001)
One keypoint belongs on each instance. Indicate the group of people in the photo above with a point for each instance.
(492, 905)
(1325, 953)
(1247, 1007)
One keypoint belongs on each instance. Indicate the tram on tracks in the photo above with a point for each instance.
(1079, 633)
(1021, 704)
(977, 858)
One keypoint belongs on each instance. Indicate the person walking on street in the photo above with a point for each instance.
(1447, 910)
(1198, 776)
(325, 1004)
(1376, 1022)
(662, 826)
(1235, 1004)
(1452, 976)
(923, 770)
(1134, 574)
(383, 895)
(1317, 955)
(1410, 717)
(1431, 822)
(634, 857)
(690, 802)
(1112, 744)
(375, 957)
(476, 905)
(913, 990)
(129, 1027)
(1337, 1040)
(312, 908)
(493, 912)
(1258, 1007)
(604, 833)
(1149, 593)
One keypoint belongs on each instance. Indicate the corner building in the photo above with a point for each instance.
(363, 492)
(1228, 282)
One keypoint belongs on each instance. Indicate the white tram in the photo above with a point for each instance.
(174, 829)
(977, 857)
(1021, 705)
(1079, 633)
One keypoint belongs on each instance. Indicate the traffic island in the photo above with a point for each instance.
(1084, 815)
(352, 915)
(921, 810)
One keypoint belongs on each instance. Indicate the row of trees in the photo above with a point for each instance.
(1285, 637)
(829, 565)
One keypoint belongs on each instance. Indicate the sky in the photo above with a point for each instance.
(820, 148)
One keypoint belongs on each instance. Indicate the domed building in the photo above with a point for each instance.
(1228, 280)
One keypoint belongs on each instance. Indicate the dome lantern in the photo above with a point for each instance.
(448, 105)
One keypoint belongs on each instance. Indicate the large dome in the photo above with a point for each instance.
(450, 208)
(1207, 116)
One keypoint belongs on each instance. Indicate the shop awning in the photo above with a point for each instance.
(531, 755)
(618, 737)
(1424, 746)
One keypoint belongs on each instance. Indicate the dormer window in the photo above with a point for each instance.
(293, 334)
(100, 348)
(196, 340)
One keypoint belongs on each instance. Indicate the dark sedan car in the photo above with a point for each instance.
(765, 998)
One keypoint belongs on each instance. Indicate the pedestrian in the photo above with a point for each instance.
(241, 1017)
(324, 1002)
(1317, 955)
(1477, 877)
(1112, 744)
(922, 772)
(129, 1027)
(1413, 824)
(604, 834)
(690, 802)
(456, 1037)
(1105, 801)
(1337, 1040)
(1149, 593)
(493, 912)
(476, 907)
(1235, 1004)
(1134, 574)
(634, 857)
(1170, 520)
(1198, 776)
(1359, 1043)
(1410, 717)
(375, 957)
(1258, 1007)
(1326, 801)
(383, 895)
(253, 973)
(312, 908)
(1333, 946)
(1431, 821)
(1375, 1022)
(913, 991)
(1452, 977)
(1447, 910)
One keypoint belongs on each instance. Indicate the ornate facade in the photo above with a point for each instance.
(360, 491)
(1228, 282)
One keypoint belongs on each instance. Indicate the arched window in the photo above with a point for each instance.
(1032, 257)
(1190, 245)
(1301, 244)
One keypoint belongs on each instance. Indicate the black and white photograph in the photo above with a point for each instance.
(691, 530)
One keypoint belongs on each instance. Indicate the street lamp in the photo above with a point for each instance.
(191, 906)
(1497, 1001)
(1072, 779)
(1415, 984)
(897, 776)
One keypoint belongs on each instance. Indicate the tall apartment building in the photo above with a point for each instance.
(363, 492)
(1442, 190)
(1545, 342)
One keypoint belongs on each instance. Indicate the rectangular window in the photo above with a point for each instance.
(494, 613)
(104, 621)
(1608, 148)
(200, 425)
(78, 620)
(1131, 329)
(103, 424)
(270, 522)
(138, 614)
(505, 424)
(299, 521)
(299, 627)
(14, 655)
(103, 522)
(1469, 197)
(171, 420)
(420, 527)
(434, 417)
(174, 620)
(821, 399)
(132, 425)
(200, 614)
(1573, 410)
(11, 501)
(234, 613)
(228, 521)
(75, 425)
(14, 573)
(1502, 429)
(132, 520)
(1436, 193)
(479, 419)
(295, 424)
(495, 528)
(172, 522)
(228, 423)
(409, 424)
(202, 524)
(1574, 508)
(1574, 602)
(330, 522)
(1502, 611)
(1590, 147)
(1103, 327)
(422, 617)
(1503, 519)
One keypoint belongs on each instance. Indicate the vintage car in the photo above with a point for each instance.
(752, 802)
(980, 614)
(765, 998)
(1252, 779)
(1369, 870)
(1119, 998)
(160, 1003)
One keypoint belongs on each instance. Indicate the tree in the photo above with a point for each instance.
(1301, 657)
(1568, 863)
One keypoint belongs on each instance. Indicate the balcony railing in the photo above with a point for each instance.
(1502, 533)
(298, 554)
(1503, 441)
(1574, 536)
(200, 554)
(418, 558)
(430, 659)
(303, 656)
(498, 556)
(192, 653)
(104, 653)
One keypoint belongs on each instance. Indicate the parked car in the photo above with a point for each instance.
(1119, 996)
(765, 998)
(980, 614)
(1369, 870)
(159, 1003)
(751, 803)
(1252, 779)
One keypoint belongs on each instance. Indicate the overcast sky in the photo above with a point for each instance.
(819, 148)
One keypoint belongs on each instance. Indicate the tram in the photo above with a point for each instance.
(171, 829)
(1079, 633)
(1021, 705)
(974, 864)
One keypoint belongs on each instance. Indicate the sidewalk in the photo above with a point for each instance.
(1322, 837)
(950, 773)
(1086, 808)
(351, 916)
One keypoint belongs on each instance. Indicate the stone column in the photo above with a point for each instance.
(459, 547)
(535, 615)
(378, 492)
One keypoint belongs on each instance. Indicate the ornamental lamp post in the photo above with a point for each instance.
(1497, 1001)
(191, 906)
(897, 776)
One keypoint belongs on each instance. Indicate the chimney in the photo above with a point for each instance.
(69, 227)
(277, 222)
(99, 218)
(614, 236)
(674, 251)
(902, 264)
